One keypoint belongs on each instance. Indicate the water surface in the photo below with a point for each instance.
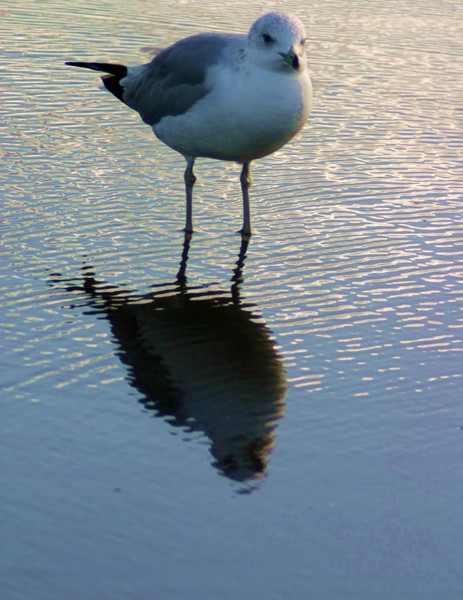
(282, 420)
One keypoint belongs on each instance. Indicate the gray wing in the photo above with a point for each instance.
(177, 77)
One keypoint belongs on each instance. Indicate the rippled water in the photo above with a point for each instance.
(282, 420)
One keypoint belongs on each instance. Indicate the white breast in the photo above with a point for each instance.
(242, 118)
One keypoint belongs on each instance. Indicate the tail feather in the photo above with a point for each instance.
(112, 80)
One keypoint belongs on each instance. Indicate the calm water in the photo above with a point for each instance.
(279, 421)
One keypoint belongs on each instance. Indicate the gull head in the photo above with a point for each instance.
(276, 41)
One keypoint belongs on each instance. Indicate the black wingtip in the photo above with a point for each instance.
(118, 70)
(111, 80)
(112, 84)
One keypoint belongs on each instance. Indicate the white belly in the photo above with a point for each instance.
(241, 123)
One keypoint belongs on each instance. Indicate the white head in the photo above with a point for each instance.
(277, 42)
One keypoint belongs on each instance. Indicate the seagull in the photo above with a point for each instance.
(229, 97)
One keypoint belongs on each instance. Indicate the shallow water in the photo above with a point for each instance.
(277, 421)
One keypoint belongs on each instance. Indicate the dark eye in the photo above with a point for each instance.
(267, 38)
(303, 42)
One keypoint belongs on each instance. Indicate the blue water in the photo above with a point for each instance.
(282, 420)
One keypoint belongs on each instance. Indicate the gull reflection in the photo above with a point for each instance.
(203, 361)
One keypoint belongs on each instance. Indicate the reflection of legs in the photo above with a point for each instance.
(181, 275)
(237, 278)
(245, 180)
(189, 183)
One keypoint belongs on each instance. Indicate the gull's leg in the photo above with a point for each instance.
(245, 180)
(189, 183)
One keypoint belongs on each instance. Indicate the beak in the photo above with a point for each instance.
(291, 58)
